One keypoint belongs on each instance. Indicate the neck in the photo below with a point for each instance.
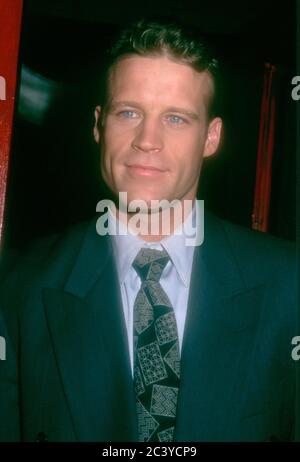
(155, 225)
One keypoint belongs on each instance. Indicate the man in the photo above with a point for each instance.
(141, 337)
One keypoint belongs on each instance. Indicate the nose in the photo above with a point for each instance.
(148, 137)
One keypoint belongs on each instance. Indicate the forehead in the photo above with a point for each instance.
(159, 80)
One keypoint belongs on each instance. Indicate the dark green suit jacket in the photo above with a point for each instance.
(67, 374)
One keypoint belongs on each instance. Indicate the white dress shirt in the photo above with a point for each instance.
(175, 278)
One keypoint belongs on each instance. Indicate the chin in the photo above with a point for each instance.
(139, 194)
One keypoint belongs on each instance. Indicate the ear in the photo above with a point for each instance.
(213, 137)
(96, 129)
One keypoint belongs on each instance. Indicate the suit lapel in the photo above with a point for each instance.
(219, 332)
(88, 331)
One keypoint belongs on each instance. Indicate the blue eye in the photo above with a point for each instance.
(128, 114)
(176, 120)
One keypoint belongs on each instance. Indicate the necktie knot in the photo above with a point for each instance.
(150, 263)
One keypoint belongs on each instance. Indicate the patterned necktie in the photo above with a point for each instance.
(156, 351)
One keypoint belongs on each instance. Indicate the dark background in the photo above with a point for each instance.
(54, 170)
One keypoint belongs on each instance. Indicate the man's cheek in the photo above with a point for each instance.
(118, 144)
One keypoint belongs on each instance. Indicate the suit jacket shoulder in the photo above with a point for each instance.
(260, 256)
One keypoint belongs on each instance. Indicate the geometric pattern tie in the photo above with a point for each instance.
(156, 351)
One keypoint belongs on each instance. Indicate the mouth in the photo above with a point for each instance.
(144, 170)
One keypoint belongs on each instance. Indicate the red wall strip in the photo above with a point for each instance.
(260, 215)
(10, 26)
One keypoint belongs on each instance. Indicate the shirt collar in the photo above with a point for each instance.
(126, 246)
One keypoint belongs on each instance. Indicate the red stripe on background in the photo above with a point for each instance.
(10, 19)
(262, 194)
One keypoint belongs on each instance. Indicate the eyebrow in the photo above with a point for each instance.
(191, 114)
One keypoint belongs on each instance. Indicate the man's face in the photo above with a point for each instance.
(155, 131)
